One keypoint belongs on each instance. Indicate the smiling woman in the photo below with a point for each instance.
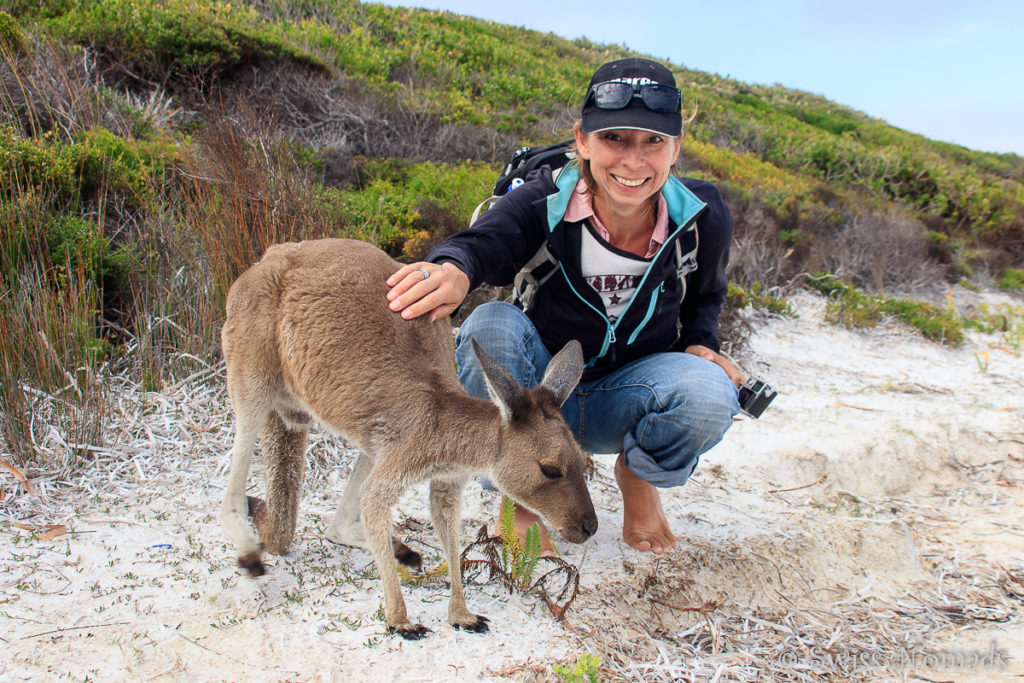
(641, 260)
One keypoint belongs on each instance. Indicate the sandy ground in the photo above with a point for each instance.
(869, 527)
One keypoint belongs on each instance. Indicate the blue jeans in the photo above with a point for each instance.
(662, 411)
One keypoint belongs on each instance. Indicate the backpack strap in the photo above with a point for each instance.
(687, 263)
(532, 275)
(480, 207)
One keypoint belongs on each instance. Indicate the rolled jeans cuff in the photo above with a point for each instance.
(647, 468)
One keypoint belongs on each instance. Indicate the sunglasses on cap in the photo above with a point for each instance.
(616, 95)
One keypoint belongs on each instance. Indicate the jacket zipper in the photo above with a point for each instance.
(647, 316)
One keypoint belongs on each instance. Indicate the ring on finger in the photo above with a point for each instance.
(426, 273)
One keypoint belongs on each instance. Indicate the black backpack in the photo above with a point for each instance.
(522, 162)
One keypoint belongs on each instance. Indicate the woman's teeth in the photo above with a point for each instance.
(629, 183)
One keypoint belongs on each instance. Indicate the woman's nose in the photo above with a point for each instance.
(633, 156)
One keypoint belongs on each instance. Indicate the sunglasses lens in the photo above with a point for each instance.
(612, 95)
(661, 98)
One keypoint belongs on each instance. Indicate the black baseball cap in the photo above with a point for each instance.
(636, 114)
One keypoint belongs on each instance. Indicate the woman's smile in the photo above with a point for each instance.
(629, 183)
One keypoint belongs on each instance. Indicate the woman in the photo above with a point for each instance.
(642, 258)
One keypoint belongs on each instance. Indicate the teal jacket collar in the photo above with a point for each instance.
(683, 205)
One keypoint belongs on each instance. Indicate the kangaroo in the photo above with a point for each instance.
(308, 335)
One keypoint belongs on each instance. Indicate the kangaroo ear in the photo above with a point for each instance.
(501, 385)
(564, 370)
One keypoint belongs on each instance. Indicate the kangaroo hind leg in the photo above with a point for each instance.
(347, 529)
(236, 506)
(283, 450)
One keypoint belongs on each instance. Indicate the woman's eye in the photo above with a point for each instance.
(551, 472)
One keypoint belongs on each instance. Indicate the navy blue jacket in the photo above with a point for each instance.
(665, 313)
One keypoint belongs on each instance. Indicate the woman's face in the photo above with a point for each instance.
(629, 166)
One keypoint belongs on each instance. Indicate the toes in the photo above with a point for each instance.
(410, 632)
(478, 625)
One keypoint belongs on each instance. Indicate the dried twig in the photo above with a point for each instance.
(19, 476)
(805, 486)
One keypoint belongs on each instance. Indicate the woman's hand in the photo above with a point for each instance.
(718, 359)
(423, 287)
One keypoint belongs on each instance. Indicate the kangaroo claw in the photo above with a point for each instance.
(411, 632)
(478, 626)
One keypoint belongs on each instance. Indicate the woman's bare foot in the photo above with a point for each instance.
(644, 525)
(523, 519)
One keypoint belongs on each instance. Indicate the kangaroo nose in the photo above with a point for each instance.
(589, 527)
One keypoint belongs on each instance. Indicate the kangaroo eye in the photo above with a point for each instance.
(551, 472)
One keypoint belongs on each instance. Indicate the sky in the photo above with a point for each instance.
(952, 71)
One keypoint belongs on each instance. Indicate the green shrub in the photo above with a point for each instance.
(739, 297)
(394, 196)
(1012, 279)
(850, 307)
(10, 33)
(177, 40)
(76, 244)
(96, 162)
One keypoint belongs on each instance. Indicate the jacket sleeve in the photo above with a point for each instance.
(503, 238)
(708, 285)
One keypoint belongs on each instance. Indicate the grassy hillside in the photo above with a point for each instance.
(152, 150)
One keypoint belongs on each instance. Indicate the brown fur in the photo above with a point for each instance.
(309, 336)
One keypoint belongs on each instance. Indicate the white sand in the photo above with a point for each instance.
(870, 520)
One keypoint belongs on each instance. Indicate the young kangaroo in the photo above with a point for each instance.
(309, 336)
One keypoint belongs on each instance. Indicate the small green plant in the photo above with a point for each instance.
(1005, 320)
(983, 358)
(587, 668)
(435, 575)
(514, 564)
(518, 561)
(740, 297)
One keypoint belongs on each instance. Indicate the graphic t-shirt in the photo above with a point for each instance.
(613, 273)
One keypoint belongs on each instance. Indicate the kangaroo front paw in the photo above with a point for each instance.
(252, 562)
(410, 631)
(477, 624)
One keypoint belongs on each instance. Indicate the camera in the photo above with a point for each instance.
(755, 396)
